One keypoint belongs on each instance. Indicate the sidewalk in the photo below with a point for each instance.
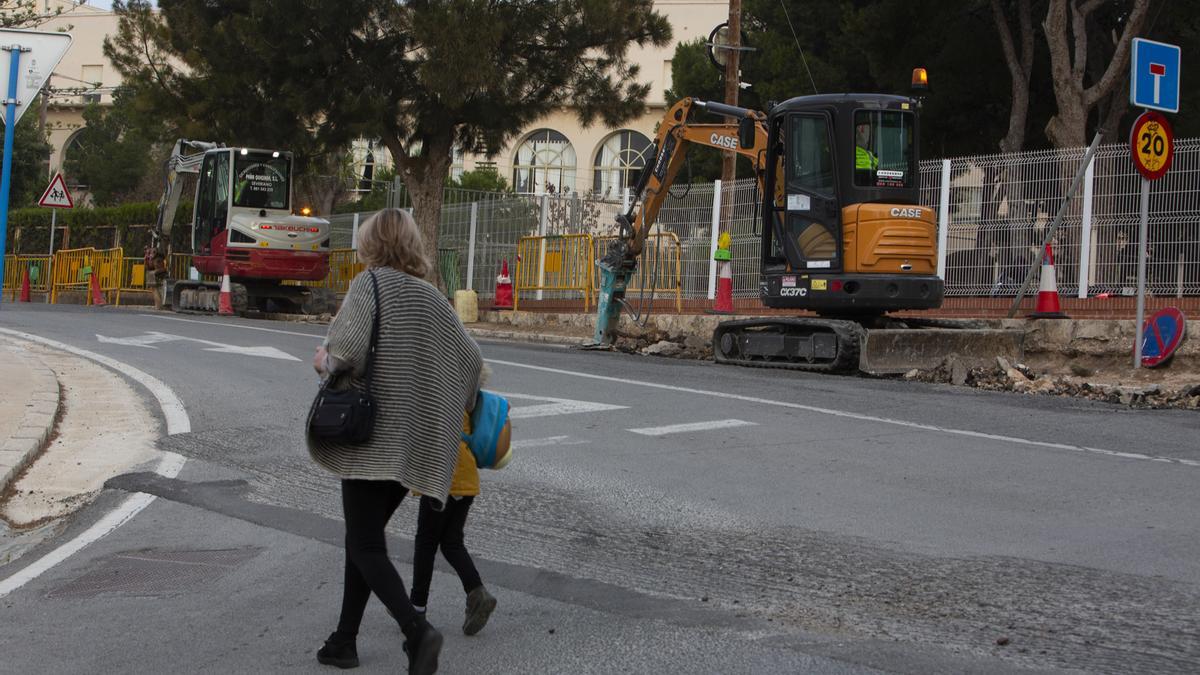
(29, 405)
(557, 335)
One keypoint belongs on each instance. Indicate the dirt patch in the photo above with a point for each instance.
(1097, 379)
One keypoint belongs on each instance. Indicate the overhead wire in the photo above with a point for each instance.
(798, 47)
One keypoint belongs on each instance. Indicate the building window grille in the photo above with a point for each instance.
(545, 162)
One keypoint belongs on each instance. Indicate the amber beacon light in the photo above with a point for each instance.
(920, 79)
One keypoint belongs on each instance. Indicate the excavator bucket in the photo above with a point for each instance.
(892, 351)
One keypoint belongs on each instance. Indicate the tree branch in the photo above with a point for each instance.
(1079, 28)
(1006, 41)
(1120, 59)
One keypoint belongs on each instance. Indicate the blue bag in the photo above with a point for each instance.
(491, 432)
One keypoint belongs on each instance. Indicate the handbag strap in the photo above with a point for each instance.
(374, 336)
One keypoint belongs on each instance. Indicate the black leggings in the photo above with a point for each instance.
(444, 529)
(368, 506)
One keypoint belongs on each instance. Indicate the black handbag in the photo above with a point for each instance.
(347, 415)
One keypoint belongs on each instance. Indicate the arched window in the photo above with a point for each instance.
(545, 162)
(618, 162)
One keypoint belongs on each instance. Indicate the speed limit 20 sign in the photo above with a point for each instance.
(1152, 144)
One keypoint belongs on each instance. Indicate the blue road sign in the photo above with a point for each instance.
(1154, 76)
(1161, 336)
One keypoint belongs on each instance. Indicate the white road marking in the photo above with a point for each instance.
(542, 442)
(693, 426)
(236, 325)
(169, 466)
(856, 416)
(554, 406)
(153, 337)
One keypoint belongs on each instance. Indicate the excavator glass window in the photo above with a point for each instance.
(261, 180)
(212, 203)
(883, 149)
(813, 216)
(810, 161)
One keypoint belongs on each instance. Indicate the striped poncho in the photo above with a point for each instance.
(426, 372)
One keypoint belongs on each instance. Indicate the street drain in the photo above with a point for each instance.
(154, 572)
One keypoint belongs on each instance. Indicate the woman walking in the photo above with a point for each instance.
(425, 373)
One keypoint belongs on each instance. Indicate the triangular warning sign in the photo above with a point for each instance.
(56, 195)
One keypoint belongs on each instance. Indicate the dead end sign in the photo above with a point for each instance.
(1163, 333)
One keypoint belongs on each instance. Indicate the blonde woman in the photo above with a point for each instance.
(425, 373)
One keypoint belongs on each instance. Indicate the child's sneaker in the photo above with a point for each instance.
(338, 652)
(480, 605)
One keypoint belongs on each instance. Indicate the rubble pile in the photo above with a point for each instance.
(1020, 378)
(654, 342)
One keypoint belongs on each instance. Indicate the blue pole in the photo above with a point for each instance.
(10, 123)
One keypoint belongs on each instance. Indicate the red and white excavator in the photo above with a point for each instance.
(243, 224)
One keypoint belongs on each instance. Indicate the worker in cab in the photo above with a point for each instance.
(864, 159)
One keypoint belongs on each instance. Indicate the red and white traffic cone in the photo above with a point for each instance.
(1047, 300)
(25, 286)
(97, 294)
(504, 289)
(724, 300)
(225, 302)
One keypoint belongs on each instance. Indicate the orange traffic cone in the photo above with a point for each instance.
(25, 286)
(504, 289)
(1047, 300)
(724, 300)
(225, 302)
(723, 255)
(97, 294)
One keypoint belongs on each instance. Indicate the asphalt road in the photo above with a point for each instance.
(660, 516)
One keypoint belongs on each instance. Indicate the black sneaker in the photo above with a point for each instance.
(480, 605)
(423, 650)
(338, 652)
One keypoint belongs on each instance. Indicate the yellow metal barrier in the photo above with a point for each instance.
(343, 267)
(558, 263)
(662, 259)
(14, 273)
(72, 267)
(180, 264)
(133, 278)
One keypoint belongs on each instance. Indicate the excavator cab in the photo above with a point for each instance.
(843, 229)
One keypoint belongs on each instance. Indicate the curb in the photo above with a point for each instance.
(19, 451)
(520, 336)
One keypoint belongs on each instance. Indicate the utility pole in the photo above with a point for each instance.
(732, 79)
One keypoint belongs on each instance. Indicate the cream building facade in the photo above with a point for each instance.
(554, 154)
(83, 75)
(557, 153)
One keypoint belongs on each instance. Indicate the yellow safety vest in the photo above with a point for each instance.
(864, 160)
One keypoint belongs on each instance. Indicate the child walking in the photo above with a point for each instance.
(444, 529)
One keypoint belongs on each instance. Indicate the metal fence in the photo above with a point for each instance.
(993, 211)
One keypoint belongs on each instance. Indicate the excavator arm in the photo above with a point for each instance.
(180, 162)
(676, 134)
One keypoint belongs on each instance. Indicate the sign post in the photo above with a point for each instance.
(1153, 85)
(44, 51)
(55, 197)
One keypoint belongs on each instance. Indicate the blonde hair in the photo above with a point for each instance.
(391, 238)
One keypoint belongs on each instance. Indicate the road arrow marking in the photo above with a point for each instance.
(555, 406)
(153, 337)
(694, 426)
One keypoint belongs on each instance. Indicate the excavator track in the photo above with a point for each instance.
(203, 297)
(810, 344)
